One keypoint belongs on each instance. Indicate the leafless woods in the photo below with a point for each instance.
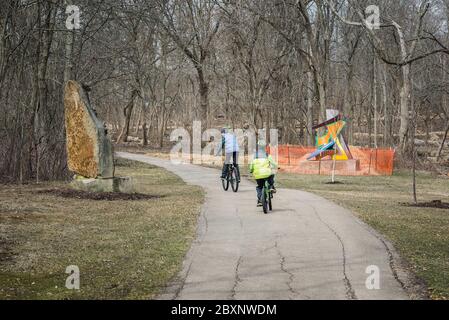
(154, 65)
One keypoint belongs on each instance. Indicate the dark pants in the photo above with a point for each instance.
(234, 156)
(261, 183)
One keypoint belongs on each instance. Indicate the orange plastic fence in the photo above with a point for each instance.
(292, 158)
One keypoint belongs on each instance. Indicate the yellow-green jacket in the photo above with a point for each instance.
(262, 168)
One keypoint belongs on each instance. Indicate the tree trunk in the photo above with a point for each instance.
(443, 142)
(369, 119)
(310, 95)
(427, 121)
(375, 99)
(388, 115)
(404, 108)
(348, 93)
(69, 41)
(204, 96)
(162, 130)
(145, 134)
(137, 122)
(413, 149)
(43, 121)
(320, 86)
(405, 93)
(127, 113)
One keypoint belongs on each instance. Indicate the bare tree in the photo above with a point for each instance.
(192, 25)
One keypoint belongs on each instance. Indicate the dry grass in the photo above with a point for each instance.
(125, 249)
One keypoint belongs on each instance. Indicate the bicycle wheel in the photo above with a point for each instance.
(225, 182)
(264, 200)
(234, 180)
(270, 204)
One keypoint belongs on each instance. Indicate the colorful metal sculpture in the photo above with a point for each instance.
(332, 142)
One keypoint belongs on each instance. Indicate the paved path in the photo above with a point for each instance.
(307, 248)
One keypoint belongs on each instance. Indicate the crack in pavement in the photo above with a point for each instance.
(181, 287)
(412, 280)
(239, 217)
(391, 263)
(268, 249)
(350, 293)
(206, 223)
(236, 278)
(410, 283)
(391, 258)
(291, 276)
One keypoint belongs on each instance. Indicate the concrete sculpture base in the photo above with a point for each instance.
(116, 184)
(324, 167)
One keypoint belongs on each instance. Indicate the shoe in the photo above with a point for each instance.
(259, 204)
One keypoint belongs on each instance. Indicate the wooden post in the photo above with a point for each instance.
(333, 166)
(370, 159)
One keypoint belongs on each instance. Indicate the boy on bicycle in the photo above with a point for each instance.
(262, 167)
(230, 145)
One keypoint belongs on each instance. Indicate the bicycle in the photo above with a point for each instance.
(232, 178)
(266, 197)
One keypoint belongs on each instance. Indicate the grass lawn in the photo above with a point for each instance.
(421, 235)
(125, 249)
